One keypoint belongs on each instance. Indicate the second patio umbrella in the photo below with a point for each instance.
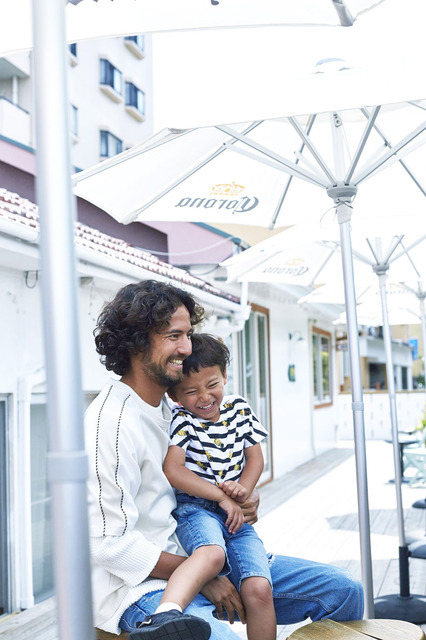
(289, 257)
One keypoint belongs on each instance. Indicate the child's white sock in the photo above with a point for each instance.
(168, 606)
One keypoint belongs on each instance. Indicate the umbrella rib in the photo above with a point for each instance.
(388, 144)
(392, 152)
(312, 149)
(420, 293)
(371, 120)
(257, 264)
(345, 17)
(189, 173)
(126, 155)
(311, 121)
(385, 261)
(276, 161)
(324, 262)
(406, 251)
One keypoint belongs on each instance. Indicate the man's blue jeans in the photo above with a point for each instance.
(302, 589)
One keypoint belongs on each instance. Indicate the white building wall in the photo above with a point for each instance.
(298, 431)
(409, 407)
(291, 401)
(20, 329)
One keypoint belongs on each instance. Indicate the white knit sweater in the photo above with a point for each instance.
(130, 499)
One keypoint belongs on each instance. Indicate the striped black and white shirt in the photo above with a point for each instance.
(215, 450)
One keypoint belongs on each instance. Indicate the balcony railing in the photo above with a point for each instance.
(15, 122)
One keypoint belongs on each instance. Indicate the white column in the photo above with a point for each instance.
(398, 377)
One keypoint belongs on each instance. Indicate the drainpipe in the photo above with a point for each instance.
(311, 323)
(26, 383)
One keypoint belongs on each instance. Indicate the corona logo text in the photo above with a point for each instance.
(236, 205)
(293, 267)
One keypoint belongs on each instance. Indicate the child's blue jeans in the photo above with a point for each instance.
(201, 523)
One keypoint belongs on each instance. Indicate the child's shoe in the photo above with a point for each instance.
(171, 625)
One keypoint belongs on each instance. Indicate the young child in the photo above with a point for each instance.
(214, 461)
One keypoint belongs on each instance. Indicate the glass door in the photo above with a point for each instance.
(41, 516)
(256, 380)
(5, 603)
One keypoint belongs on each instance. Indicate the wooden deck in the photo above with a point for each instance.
(311, 513)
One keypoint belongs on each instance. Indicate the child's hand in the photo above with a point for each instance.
(235, 519)
(234, 490)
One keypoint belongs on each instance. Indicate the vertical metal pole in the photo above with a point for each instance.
(421, 296)
(67, 459)
(344, 213)
(404, 580)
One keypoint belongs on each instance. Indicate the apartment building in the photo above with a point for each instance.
(110, 91)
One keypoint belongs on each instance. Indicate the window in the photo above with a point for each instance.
(136, 44)
(139, 41)
(255, 378)
(111, 77)
(321, 363)
(73, 49)
(135, 98)
(41, 503)
(110, 145)
(5, 603)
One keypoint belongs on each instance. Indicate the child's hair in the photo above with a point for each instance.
(207, 351)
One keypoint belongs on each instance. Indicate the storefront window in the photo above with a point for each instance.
(41, 514)
(4, 529)
(255, 379)
(321, 367)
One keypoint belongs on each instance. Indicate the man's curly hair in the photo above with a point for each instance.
(125, 324)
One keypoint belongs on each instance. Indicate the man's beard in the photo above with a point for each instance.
(158, 374)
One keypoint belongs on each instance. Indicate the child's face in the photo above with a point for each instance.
(201, 393)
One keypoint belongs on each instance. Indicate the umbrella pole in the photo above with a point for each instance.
(67, 460)
(403, 606)
(421, 296)
(344, 212)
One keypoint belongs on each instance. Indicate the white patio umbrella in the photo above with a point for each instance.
(245, 173)
(87, 19)
(289, 257)
(405, 292)
(68, 463)
(402, 307)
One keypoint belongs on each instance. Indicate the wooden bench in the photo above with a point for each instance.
(104, 635)
(359, 630)
(330, 630)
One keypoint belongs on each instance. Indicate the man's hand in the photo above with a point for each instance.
(234, 490)
(250, 507)
(222, 593)
(235, 519)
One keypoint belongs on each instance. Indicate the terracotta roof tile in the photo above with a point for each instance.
(22, 211)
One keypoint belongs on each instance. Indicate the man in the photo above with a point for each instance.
(143, 335)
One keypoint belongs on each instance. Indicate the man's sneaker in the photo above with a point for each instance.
(171, 625)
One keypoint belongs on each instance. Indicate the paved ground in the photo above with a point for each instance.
(316, 518)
